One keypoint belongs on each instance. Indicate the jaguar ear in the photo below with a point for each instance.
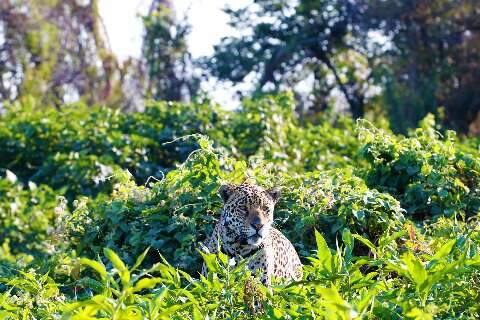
(226, 191)
(274, 193)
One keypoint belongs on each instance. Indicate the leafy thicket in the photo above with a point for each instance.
(76, 149)
(180, 210)
(386, 225)
(26, 214)
(422, 55)
(425, 171)
(410, 281)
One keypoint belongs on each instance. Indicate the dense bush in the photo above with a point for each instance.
(77, 148)
(269, 130)
(425, 171)
(27, 216)
(182, 209)
(396, 217)
(388, 285)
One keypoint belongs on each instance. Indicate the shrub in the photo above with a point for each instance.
(424, 171)
(75, 149)
(332, 201)
(179, 211)
(347, 196)
(268, 129)
(27, 217)
(387, 285)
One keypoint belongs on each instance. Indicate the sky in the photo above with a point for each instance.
(124, 26)
(209, 24)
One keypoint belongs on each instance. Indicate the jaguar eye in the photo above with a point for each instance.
(265, 209)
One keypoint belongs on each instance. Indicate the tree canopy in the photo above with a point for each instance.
(422, 55)
(399, 59)
(56, 50)
(284, 42)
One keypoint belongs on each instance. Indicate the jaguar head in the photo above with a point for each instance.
(248, 211)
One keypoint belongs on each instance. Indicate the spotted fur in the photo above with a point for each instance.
(245, 230)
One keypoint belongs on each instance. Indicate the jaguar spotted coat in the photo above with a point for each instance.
(245, 230)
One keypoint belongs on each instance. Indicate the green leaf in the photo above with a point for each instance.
(223, 258)
(92, 284)
(146, 283)
(415, 268)
(210, 261)
(366, 242)
(419, 314)
(114, 259)
(140, 259)
(119, 265)
(323, 251)
(159, 297)
(475, 261)
(366, 299)
(332, 296)
(444, 250)
(171, 310)
(97, 266)
(197, 315)
(7, 315)
(349, 241)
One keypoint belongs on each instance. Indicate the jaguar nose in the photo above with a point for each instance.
(257, 226)
(256, 223)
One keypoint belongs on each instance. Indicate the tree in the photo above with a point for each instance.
(56, 51)
(169, 64)
(433, 60)
(284, 42)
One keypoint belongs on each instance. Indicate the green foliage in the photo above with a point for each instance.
(348, 193)
(27, 216)
(77, 149)
(169, 64)
(268, 128)
(30, 296)
(331, 202)
(336, 284)
(286, 42)
(425, 171)
(181, 209)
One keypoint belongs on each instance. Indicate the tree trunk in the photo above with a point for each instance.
(354, 100)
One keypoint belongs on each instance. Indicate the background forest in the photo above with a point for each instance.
(364, 113)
